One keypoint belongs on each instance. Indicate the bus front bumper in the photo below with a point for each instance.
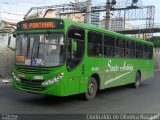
(57, 89)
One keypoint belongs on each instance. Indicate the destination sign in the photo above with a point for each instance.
(40, 24)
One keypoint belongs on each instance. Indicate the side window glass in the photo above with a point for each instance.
(120, 47)
(95, 47)
(130, 49)
(145, 51)
(139, 50)
(109, 46)
(150, 52)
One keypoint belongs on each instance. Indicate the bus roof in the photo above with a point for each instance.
(70, 22)
(96, 29)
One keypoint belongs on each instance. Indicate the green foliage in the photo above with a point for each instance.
(155, 40)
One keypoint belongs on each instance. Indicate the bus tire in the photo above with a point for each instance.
(137, 80)
(91, 89)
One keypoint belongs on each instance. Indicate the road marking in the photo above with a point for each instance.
(154, 117)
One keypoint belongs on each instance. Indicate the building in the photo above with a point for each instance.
(7, 55)
(116, 24)
(102, 23)
(95, 19)
(7, 27)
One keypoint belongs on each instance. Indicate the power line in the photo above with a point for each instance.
(21, 4)
(10, 19)
(18, 14)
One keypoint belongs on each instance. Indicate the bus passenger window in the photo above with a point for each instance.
(145, 51)
(109, 46)
(95, 44)
(131, 49)
(150, 52)
(139, 51)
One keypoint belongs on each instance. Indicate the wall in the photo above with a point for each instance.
(157, 58)
(6, 57)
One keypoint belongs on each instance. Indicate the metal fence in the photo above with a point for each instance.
(138, 27)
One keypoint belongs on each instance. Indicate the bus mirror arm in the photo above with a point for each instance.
(14, 35)
(9, 42)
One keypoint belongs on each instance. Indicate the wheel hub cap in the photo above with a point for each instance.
(91, 88)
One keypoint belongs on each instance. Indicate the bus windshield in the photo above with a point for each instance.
(40, 49)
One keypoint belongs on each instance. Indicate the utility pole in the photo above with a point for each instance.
(76, 3)
(107, 21)
(88, 15)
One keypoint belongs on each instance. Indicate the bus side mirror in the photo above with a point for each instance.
(74, 46)
(9, 44)
(14, 35)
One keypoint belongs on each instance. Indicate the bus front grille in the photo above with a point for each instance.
(34, 85)
(33, 71)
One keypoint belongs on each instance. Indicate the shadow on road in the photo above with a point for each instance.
(54, 100)
(115, 90)
(49, 100)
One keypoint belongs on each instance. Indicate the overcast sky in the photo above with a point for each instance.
(15, 9)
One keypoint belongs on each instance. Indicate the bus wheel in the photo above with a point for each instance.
(137, 80)
(91, 89)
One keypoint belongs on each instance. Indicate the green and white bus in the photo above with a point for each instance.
(61, 57)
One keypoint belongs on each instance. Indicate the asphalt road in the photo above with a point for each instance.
(145, 99)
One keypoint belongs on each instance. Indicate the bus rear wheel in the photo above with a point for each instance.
(91, 89)
(137, 80)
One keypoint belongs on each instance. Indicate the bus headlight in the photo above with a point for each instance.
(54, 80)
(16, 78)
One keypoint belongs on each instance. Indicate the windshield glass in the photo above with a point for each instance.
(40, 49)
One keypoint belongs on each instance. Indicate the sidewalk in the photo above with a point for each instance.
(156, 70)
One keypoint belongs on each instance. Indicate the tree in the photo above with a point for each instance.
(155, 40)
